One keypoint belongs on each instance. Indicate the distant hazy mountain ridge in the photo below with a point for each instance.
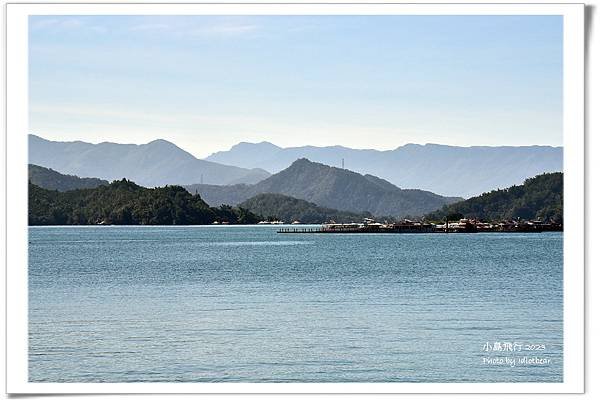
(49, 179)
(216, 195)
(331, 187)
(446, 170)
(153, 164)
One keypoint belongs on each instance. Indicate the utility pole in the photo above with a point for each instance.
(342, 163)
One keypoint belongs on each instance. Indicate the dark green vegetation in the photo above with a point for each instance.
(540, 197)
(288, 209)
(306, 191)
(331, 187)
(50, 179)
(123, 202)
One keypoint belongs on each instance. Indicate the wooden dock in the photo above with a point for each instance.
(300, 231)
(419, 229)
(359, 230)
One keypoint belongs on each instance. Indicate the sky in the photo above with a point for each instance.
(379, 82)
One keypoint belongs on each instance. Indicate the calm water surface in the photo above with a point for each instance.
(131, 304)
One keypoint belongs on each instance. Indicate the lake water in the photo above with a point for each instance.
(243, 303)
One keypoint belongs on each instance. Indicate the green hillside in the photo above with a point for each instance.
(125, 203)
(288, 209)
(333, 188)
(540, 197)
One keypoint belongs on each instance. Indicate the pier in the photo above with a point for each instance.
(369, 227)
(411, 227)
(300, 231)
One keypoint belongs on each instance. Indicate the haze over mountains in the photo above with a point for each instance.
(445, 170)
(134, 207)
(153, 164)
(49, 179)
(55, 198)
(429, 169)
(330, 187)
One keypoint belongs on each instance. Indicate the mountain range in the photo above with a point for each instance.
(156, 163)
(55, 198)
(167, 205)
(442, 169)
(330, 187)
(445, 170)
(53, 180)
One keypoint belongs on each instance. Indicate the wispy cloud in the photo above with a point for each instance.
(298, 78)
(199, 27)
(192, 28)
(41, 23)
(226, 29)
(71, 23)
(193, 129)
(99, 29)
(56, 23)
(65, 24)
(149, 27)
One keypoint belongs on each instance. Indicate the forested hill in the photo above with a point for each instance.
(125, 203)
(50, 179)
(539, 197)
(289, 209)
(332, 188)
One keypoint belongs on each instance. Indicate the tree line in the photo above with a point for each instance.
(288, 209)
(540, 197)
(126, 203)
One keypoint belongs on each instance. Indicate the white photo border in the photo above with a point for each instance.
(17, 232)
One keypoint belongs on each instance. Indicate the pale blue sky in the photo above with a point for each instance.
(209, 82)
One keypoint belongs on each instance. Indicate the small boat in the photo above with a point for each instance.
(296, 222)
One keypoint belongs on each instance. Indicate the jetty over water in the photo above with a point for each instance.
(367, 227)
(411, 227)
